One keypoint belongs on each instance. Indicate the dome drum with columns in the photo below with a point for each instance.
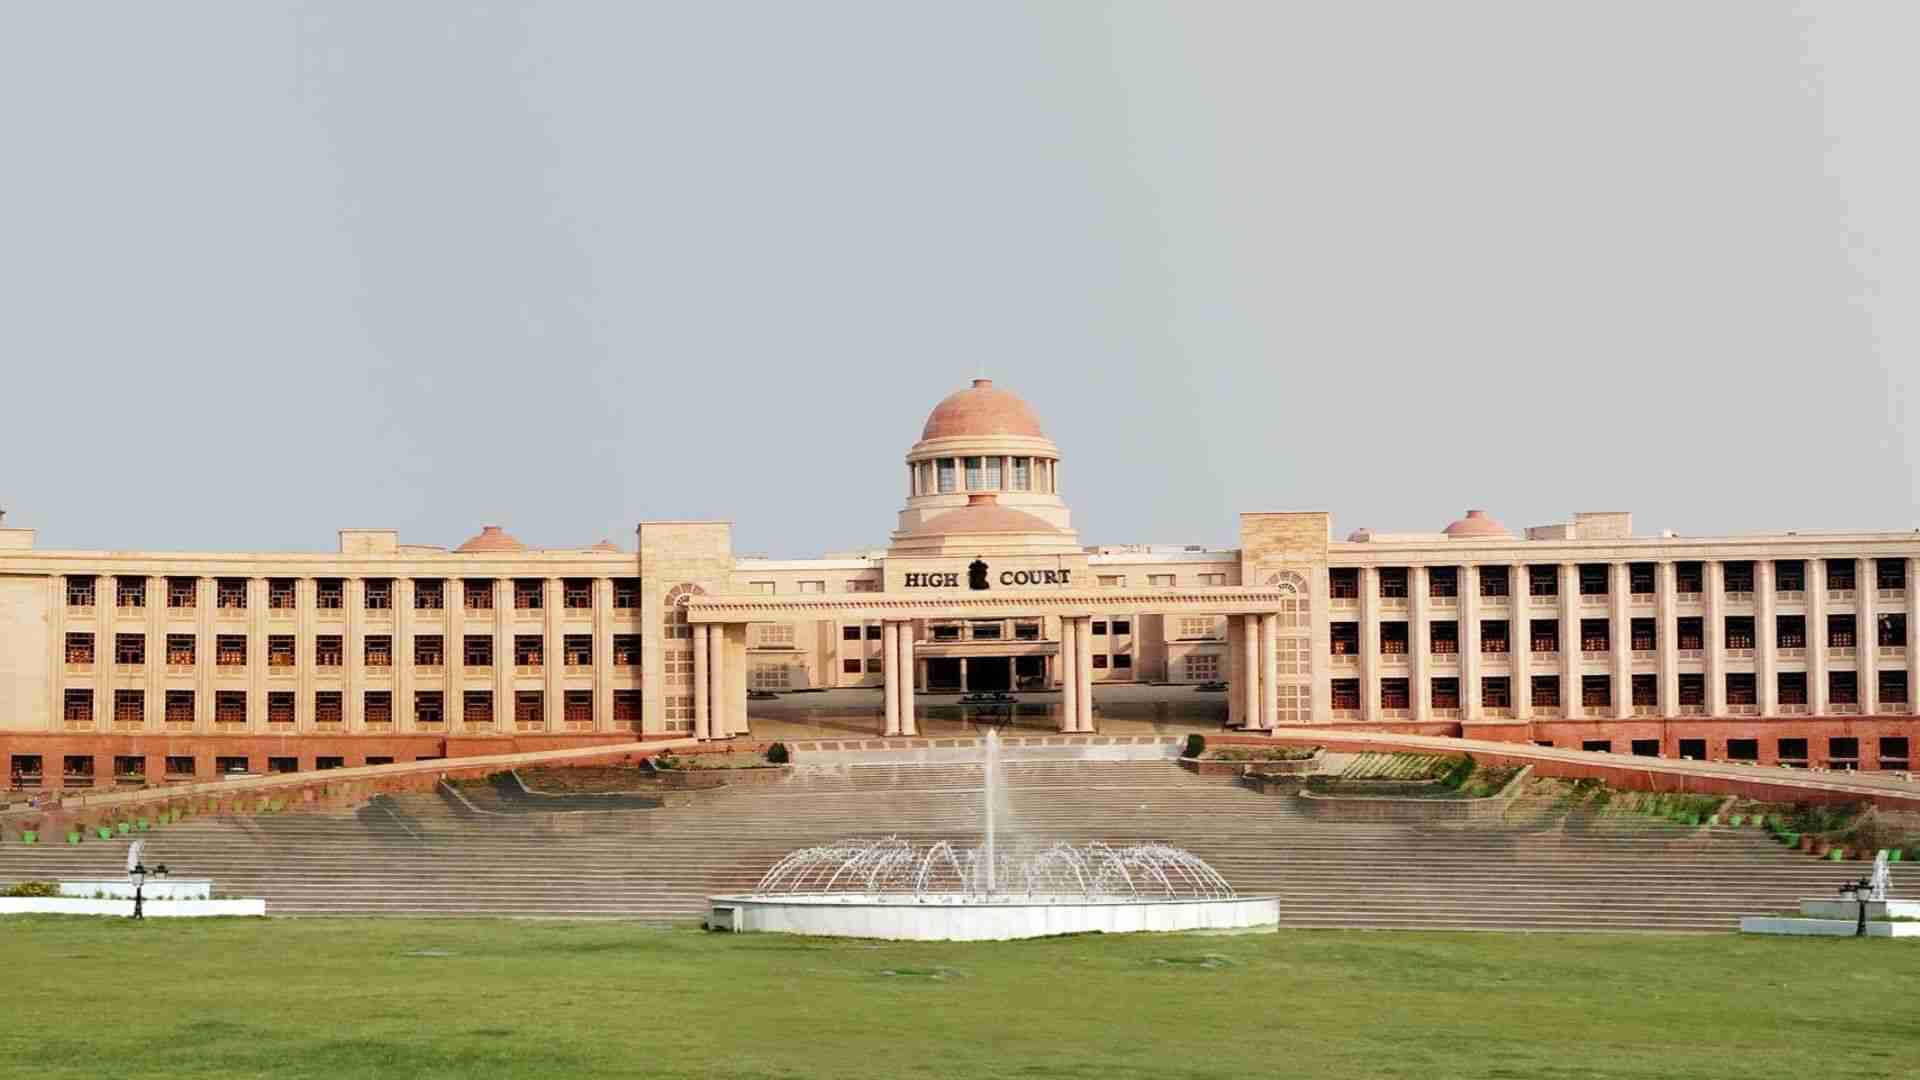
(982, 441)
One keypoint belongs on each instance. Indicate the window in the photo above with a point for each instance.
(1393, 694)
(379, 594)
(230, 594)
(1893, 631)
(1840, 631)
(328, 651)
(1890, 573)
(992, 481)
(1596, 691)
(129, 706)
(1343, 583)
(180, 648)
(1593, 579)
(379, 651)
(850, 633)
(1546, 691)
(1689, 578)
(1640, 579)
(78, 706)
(875, 665)
(1646, 748)
(1202, 667)
(764, 588)
(577, 707)
(476, 707)
(182, 593)
(1742, 689)
(280, 651)
(1790, 575)
(1692, 688)
(1739, 576)
(429, 650)
(283, 764)
(130, 592)
(529, 650)
(1642, 631)
(576, 650)
(529, 708)
(1022, 474)
(1445, 638)
(181, 765)
(429, 594)
(1840, 574)
(79, 592)
(626, 593)
(1840, 747)
(477, 650)
(850, 666)
(1122, 661)
(79, 648)
(1099, 660)
(280, 707)
(1893, 687)
(1595, 636)
(1544, 636)
(1346, 694)
(1112, 581)
(429, 707)
(1495, 580)
(1691, 632)
(990, 631)
(1696, 749)
(1443, 581)
(1121, 628)
(626, 650)
(770, 677)
(230, 706)
(1493, 636)
(862, 585)
(478, 594)
(813, 586)
(1160, 581)
(1893, 747)
(1393, 638)
(1739, 630)
(529, 594)
(1646, 690)
(377, 706)
(230, 765)
(1099, 628)
(774, 635)
(1794, 750)
(1393, 581)
(974, 479)
(1792, 687)
(1445, 693)
(943, 471)
(946, 633)
(230, 650)
(329, 594)
(576, 594)
(1344, 639)
(1790, 631)
(281, 594)
(330, 707)
(179, 707)
(626, 708)
(873, 633)
(1026, 631)
(1543, 581)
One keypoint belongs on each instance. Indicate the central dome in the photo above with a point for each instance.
(981, 409)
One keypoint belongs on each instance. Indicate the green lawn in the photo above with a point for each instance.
(343, 998)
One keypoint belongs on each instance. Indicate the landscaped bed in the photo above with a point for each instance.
(1414, 776)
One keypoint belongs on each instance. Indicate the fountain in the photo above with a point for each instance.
(893, 887)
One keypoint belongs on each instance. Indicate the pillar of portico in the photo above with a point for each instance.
(890, 668)
(1520, 640)
(1069, 676)
(602, 656)
(702, 708)
(1083, 668)
(1420, 644)
(401, 707)
(720, 722)
(202, 654)
(1472, 705)
(1269, 670)
(1818, 701)
(1866, 635)
(1913, 635)
(1573, 653)
(1250, 689)
(1766, 638)
(1714, 628)
(1620, 638)
(1666, 632)
(903, 636)
(355, 704)
(553, 659)
(1369, 643)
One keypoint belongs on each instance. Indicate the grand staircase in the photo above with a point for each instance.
(491, 849)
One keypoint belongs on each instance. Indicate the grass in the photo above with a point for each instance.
(347, 998)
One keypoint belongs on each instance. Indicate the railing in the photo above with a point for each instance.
(1444, 658)
(519, 669)
(129, 669)
(1851, 709)
(1645, 654)
(1395, 714)
(1598, 600)
(282, 671)
(79, 669)
(1686, 597)
(340, 725)
(1543, 601)
(229, 611)
(529, 612)
(379, 672)
(1393, 660)
(1446, 713)
(228, 726)
(1495, 601)
(330, 614)
(1844, 596)
(1790, 596)
(579, 670)
(182, 611)
(1596, 656)
(81, 611)
(328, 671)
(1641, 599)
(1739, 654)
(1393, 603)
(1893, 594)
(70, 724)
(282, 614)
(1646, 710)
(1342, 602)
(230, 671)
(1693, 710)
(1549, 712)
(1692, 654)
(279, 725)
(1892, 707)
(1792, 652)
(1542, 658)
(1840, 652)
(1346, 660)
(1443, 601)
(479, 727)
(1739, 597)
(1498, 712)
(1743, 710)
(587, 725)
(431, 671)
(1893, 652)
(1793, 710)
(1346, 714)
(430, 725)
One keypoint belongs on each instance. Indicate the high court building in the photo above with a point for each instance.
(1794, 648)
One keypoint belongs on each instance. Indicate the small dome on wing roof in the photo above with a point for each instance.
(1477, 524)
(491, 538)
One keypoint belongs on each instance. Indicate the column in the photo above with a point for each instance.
(155, 627)
(1620, 637)
(454, 596)
(909, 725)
(1269, 670)
(553, 659)
(1083, 671)
(403, 684)
(1572, 647)
(1250, 688)
(890, 667)
(1369, 643)
(1866, 619)
(354, 704)
(1714, 627)
(503, 674)
(1816, 581)
(1472, 707)
(305, 601)
(202, 653)
(1069, 676)
(702, 708)
(1913, 636)
(602, 655)
(719, 710)
(1419, 644)
(1766, 638)
(1520, 640)
(1666, 636)
(258, 626)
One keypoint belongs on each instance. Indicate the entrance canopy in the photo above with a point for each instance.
(986, 604)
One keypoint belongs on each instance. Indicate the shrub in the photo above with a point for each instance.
(777, 754)
(32, 888)
(1456, 771)
(1196, 745)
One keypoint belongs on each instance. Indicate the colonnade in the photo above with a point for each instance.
(712, 712)
(1259, 686)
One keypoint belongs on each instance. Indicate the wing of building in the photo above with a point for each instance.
(1793, 648)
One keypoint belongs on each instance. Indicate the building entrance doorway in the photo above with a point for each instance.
(989, 674)
(1030, 673)
(943, 674)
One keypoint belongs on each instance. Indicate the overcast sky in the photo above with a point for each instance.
(270, 270)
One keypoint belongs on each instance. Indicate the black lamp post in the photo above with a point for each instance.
(137, 875)
(1860, 891)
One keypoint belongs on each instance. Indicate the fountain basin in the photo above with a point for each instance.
(966, 917)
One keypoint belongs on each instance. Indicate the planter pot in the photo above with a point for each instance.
(1893, 854)
(1790, 839)
(1806, 843)
(124, 827)
(103, 832)
(73, 838)
(1737, 820)
(1838, 854)
(1713, 819)
(1820, 849)
(28, 836)
(143, 825)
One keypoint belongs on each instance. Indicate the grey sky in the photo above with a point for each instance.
(273, 270)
